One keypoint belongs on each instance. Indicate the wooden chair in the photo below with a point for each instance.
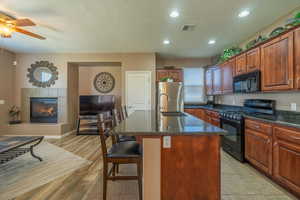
(119, 153)
(117, 120)
(124, 112)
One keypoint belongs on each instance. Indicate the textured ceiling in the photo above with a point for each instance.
(85, 26)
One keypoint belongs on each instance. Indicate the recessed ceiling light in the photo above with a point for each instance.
(211, 41)
(244, 13)
(174, 14)
(166, 41)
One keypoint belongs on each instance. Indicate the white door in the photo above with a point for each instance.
(138, 90)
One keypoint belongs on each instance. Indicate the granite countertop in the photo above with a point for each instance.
(285, 118)
(152, 123)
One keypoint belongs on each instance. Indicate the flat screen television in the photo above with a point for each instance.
(95, 104)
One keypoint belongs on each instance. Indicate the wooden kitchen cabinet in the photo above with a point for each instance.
(277, 63)
(297, 58)
(275, 150)
(217, 80)
(286, 157)
(258, 145)
(175, 74)
(212, 117)
(253, 60)
(209, 81)
(197, 112)
(240, 67)
(227, 76)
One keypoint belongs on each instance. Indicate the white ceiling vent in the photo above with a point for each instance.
(188, 27)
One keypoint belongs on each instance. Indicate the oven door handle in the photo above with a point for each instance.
(248, 85)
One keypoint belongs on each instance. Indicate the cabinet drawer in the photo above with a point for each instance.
(288, 135)
(212, 113)
(259, 126)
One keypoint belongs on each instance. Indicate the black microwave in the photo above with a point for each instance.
(247, 83)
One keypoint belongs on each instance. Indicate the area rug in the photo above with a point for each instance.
(26, 173)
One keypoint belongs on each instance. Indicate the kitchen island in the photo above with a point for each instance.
(181, 155)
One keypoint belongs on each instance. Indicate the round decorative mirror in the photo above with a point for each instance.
(42, 74)
(104, 82)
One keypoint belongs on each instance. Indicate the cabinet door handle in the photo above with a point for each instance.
(257, 126)
(295, 138)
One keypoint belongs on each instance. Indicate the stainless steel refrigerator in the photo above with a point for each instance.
(170, 97)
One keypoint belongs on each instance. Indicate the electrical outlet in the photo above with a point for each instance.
(293, 106)
(2, 102)
(167, 142)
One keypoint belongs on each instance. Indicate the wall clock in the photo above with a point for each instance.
(104, 82)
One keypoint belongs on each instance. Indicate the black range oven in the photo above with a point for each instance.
(234, 141)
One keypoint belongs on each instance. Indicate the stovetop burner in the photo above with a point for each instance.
(232, 115)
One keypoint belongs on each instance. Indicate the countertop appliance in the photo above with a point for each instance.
(233, 122)
(170, 97)
(247, 83)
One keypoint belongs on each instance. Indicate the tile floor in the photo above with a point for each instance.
(239, 182)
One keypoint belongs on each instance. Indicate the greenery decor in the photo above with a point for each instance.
(256, 41)
(277, 31)
(166, 79)
(293, 21)
(228, 53)
(14, 113)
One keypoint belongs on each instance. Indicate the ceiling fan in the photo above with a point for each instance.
(9, 24)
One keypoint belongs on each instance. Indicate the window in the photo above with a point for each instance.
(194, 92)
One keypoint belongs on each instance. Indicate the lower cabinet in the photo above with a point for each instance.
(208, 116)
(286, 157)
(275, 150)
(258, 150)
(197, 112)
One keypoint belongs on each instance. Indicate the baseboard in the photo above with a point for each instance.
(50, 136)
(68, 133)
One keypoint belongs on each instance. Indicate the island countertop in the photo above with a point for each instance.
(153, 123)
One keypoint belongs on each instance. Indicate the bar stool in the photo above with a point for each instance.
(124, 112)
(117, 120)
(119, 153)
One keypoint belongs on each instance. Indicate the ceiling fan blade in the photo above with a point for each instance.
(22, 22)
(19, 30)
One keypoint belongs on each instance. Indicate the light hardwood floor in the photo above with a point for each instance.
(239, 180)
(74, 186)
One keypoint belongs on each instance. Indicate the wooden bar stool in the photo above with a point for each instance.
(119, 153)
(124, 112)
(117, 120)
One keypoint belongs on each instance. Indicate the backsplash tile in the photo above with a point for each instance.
(283, 99)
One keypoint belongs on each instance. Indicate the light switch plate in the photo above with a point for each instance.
(2, 102)
(167, 142)
(293, 106)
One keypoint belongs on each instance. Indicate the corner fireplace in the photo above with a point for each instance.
(43, 110)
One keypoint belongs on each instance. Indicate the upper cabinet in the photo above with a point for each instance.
(277, 63)
(175, 74)
(297, 58)
(277, 58)
(240, 64)
(209, 81)
(227, 75)
(217, 80)
(253, 60)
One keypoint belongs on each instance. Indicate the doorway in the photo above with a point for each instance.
(138, 90)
